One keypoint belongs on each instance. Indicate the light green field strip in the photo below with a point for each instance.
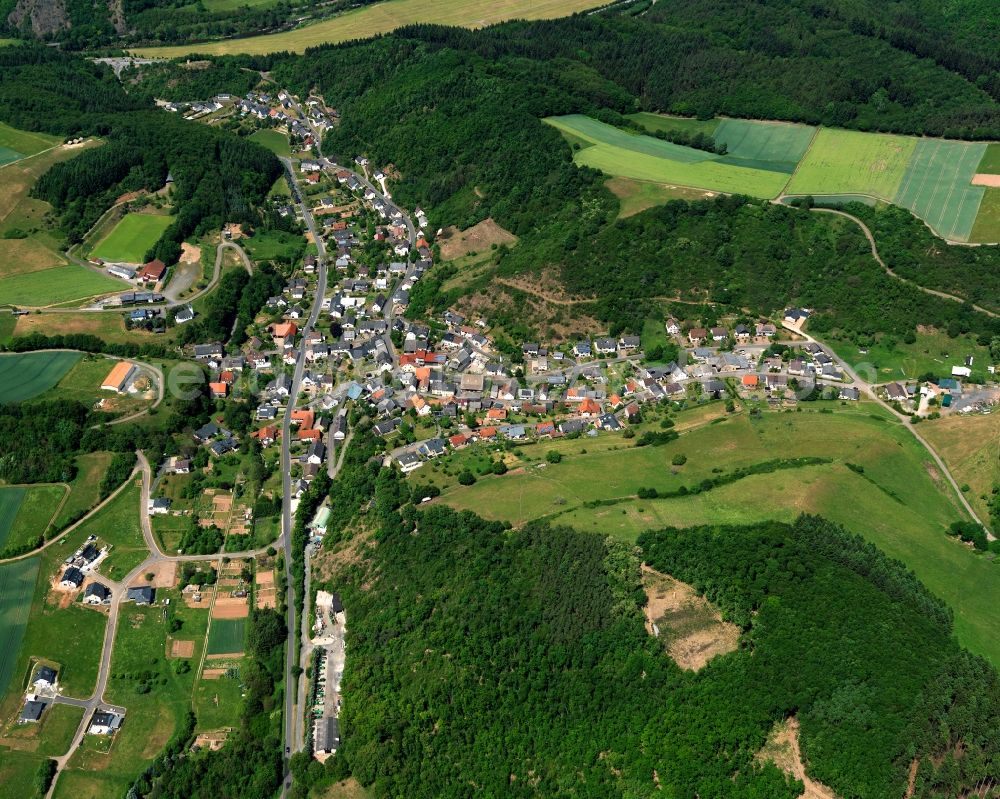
(599, 133)
(848, 162)
(938, 186)
(990, 163)
(55, 285)
(666, 122)
(132, 237)
(17, 586)
(775, 142)
(709, 175)
(987, 226)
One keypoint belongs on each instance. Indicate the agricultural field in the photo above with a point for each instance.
(898, 501)
(131, 238)
(108, 326)
(31, 244)
(635, 196)
(382, 18)
(274, 141)
(846, 162)
(225, 636)
(17, 584)
(623, 154)
(25, 375)
(17, 144)
(953, 186)
(55, 285)
(25, 512)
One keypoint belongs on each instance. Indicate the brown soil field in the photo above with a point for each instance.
(211, 740)
(782, 749)
(181, 649)
(266, 598)
(190, 253)
(206, 599)
(230, 607)
(478, 238)
(691, 627)
(991, 181)
(265, 578)
(164, 575)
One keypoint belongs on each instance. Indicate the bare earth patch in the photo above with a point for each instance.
(230, 607)
(692, 629)
(164, 575)
(181, 649)
(213, 674)
(990, 181)
(476, 239)
(190, 253)
(782, 749)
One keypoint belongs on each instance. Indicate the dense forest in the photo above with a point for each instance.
(217, 177)
(528, 670)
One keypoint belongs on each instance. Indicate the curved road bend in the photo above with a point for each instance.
(871, 241)
(903, 418)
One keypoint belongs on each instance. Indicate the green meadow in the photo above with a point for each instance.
(274, 141)
(131, 238)
(879, 483)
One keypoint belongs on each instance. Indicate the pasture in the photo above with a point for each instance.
(848, 162)
(25, 375)
(17, 144)
(899, 501)
(131, 238)
(225, 636)
(937, 186)
(986, 228)
(33, 508)
(117, 525)
(30, 241)
(274, 141)
(55, 285)
(638, 195)
(382, 18)
(17, 584)
(970, 447)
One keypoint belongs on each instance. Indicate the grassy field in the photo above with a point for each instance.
(274, 141)
(35, 509)
(51, 736)
(11, 498)
(56, 285)
(225, 636)
(41, 248)
(108, 326)
(17, 144)
(986, 228)
(900, 502)
(638, 195)
(383, 18)
(117, 524)
(17, 582)
(970, 446)
(990, 163)
(665, 122)
(618, 153)
(845, 162)
(83, 494)
(272, 244)
(131, 238)
(218, 702)
(27, 374)
(938, 188)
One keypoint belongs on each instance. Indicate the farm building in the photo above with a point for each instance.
(153, 271)
(119, 377)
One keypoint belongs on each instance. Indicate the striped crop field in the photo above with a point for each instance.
(953, 186)
(17, 586)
